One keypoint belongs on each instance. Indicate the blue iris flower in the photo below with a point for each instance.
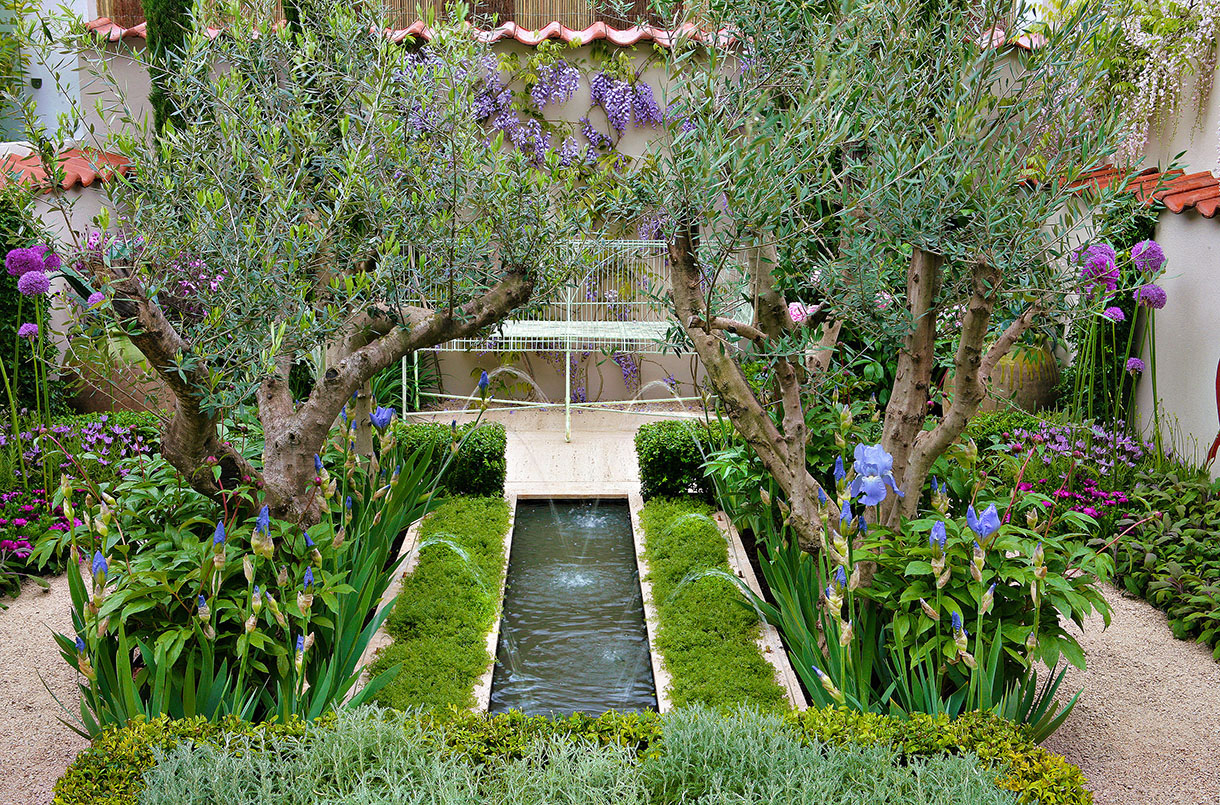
(203, 601)
(484, 381)
(840, 471)
(938, 537)
(100, 565)
(986, 525)
(317, 462)
(308, 578)
(874, 472)
(219, 537)
(845, 512)
(381, 417)
(263, 524)
(821, 496)
(957, 622)
(840, 577)
(308, 540)
(80, 644)
(300, 644)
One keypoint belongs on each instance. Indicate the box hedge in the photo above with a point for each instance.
(479, 467)
(110, 772)
(671, 455)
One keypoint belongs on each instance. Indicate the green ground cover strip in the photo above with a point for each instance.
(116, 767)
(705, 633)
(446, 608)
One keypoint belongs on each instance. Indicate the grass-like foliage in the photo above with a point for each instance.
(703, 757)
(706, 632)
(447, 606)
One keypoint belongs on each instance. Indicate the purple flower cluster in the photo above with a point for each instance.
(1098, 267)
(28, 330)
(1114, 314)
(622, 101)
(630, 368)
(1148, 256)
(1135, 366)
(108, 444)
(1151, 295)
(556, 83)
(24, 517)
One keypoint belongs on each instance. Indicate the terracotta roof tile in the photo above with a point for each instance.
(1177, 190)
(81, 168)
(112, 32)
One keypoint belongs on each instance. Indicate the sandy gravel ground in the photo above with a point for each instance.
(1147, 727)
(35, 747)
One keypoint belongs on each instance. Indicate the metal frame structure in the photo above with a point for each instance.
(608, 305)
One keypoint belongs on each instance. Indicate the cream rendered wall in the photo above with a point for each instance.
(1187, 337)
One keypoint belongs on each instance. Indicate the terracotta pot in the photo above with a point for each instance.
(1025, 377)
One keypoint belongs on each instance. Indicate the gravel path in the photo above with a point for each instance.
(1147, 727)
(35, 747)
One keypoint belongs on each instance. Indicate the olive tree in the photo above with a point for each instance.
(317, 187)
(862, 147)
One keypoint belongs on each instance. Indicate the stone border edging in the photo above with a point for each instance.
(769, 641)
(482, 688)
(660, 675)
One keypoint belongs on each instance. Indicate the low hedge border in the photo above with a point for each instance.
(480, 466)
(110, 771)
(706, 635)
(671, 456)
(443, 613)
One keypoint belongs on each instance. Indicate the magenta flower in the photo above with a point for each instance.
(20, 262)
(1114, 314)
(1151, 295)
(28, 330)
(1148, 256)
(33, 283)
(798, 312)
(1135, 366)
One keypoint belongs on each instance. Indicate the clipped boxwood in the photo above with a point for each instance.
(706, 635)
(479, 467)
(447, 606)
(671, 456)
(110, 772)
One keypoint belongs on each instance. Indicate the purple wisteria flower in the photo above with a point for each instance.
(33, 283)
(556, 83)
(1151, 295)
(874, 472)
(1148, 256)
(1135, 366)
(20, 262)
(1114, 314)
(28, 330)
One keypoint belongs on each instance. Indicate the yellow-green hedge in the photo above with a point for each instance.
(110, 772)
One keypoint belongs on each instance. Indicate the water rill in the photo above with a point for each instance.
(572, 638)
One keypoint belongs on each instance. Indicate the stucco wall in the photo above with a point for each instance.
(1187, 336)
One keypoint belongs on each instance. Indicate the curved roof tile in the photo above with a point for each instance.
(81, 168)
(1177, 190)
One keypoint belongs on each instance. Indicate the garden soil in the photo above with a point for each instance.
(35, 747)
(1147, 726)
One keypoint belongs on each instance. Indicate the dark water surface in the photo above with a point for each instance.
(572, 637)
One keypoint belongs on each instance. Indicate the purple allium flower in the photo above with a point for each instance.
(95, 299)
(1148, 256)
(20, 262)
(1098, 266)
(28, 330)
(1114, 314)
(1135, 366)
(1151, 295)
(33, 283)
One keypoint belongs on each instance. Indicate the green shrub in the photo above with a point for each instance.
(671, 456)
(1173, 561)
(447, 606)
(665, 749)
(989, 428)
(706, 632)
(480, 466)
